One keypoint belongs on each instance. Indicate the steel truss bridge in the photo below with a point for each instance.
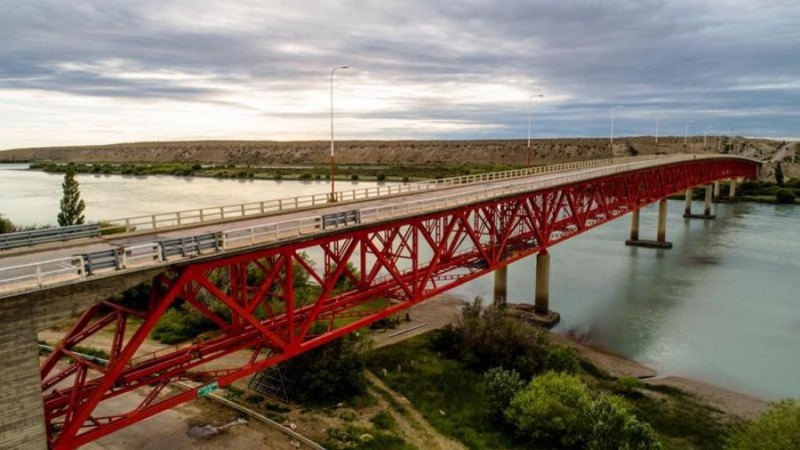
(406, 248)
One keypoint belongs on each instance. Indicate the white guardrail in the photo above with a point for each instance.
(236, 212)
(37, 275)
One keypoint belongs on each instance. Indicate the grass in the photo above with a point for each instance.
(433, 384)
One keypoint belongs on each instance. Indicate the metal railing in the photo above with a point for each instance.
(235, 212)
(47, 235)
(36, 275)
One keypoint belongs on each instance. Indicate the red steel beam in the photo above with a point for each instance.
(407, 259)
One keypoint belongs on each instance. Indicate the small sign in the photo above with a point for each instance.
(202, 391)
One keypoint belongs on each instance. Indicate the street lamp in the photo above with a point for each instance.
(529, 128)
(658, 122)
(332, 197)
(613, 110)
(686, 131)
(705, 136)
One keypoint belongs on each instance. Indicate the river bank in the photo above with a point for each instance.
(446, 309)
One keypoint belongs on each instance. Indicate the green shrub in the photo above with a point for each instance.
(491, 338)
(501, 386)
(552, 410)
(558, 409)
(178, 325)
(776, 429)
(305, 176)
(354, 177)
(563, 359)
(785, 196)
(330, 373)
(381, 177)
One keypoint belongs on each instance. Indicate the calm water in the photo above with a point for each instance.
(722, 306)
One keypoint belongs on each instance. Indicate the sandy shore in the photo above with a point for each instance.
(440, 311)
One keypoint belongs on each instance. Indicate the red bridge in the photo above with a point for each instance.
(407, 247)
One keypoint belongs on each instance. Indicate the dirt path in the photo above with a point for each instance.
(415, 428)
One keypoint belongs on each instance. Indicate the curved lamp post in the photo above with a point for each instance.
(332, 196)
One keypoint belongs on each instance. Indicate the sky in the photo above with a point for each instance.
(98, 71)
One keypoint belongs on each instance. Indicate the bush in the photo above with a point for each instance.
(491, 338)
(381, 177)
(501, 386)
(178, 325)
(776, 429)
(558, 409)
(330, 373)
(563, 359)
(615, 427)
(552, 410)
(305, 176)
(785, 196)
(354, 177)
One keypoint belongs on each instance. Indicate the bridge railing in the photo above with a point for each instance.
(47, 235)
(42, 273)
(36, 275)
(234, 212)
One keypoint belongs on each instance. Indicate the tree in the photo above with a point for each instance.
(71, 204)
(779, 174)
(776, 429)
(6, 226)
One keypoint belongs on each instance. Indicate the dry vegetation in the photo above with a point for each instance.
(315, 153)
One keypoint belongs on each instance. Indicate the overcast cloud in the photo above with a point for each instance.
(99, 71)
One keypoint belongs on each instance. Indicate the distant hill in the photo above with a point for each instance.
(509, 152)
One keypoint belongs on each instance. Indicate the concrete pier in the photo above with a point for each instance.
(661, 234)
(687, 212)
(542, 298)
(635, 225)
(500, 286)
(717, 188)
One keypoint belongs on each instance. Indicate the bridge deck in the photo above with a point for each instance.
(440, 198)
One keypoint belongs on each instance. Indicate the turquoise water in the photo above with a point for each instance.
(722, 306)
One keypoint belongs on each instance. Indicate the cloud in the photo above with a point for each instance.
(420, 69)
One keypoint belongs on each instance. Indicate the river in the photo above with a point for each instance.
(722, 306)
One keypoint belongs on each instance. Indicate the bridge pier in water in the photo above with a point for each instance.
(687, 212)
(661, 233)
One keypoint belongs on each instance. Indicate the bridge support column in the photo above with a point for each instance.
(687, 213)
(21, 406)
(732, 193)
(661, 235)
(635, 225)
(500, 286)
(542, 298)
(717, 188)
(687, 208)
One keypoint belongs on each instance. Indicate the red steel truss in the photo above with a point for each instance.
(260, 321)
